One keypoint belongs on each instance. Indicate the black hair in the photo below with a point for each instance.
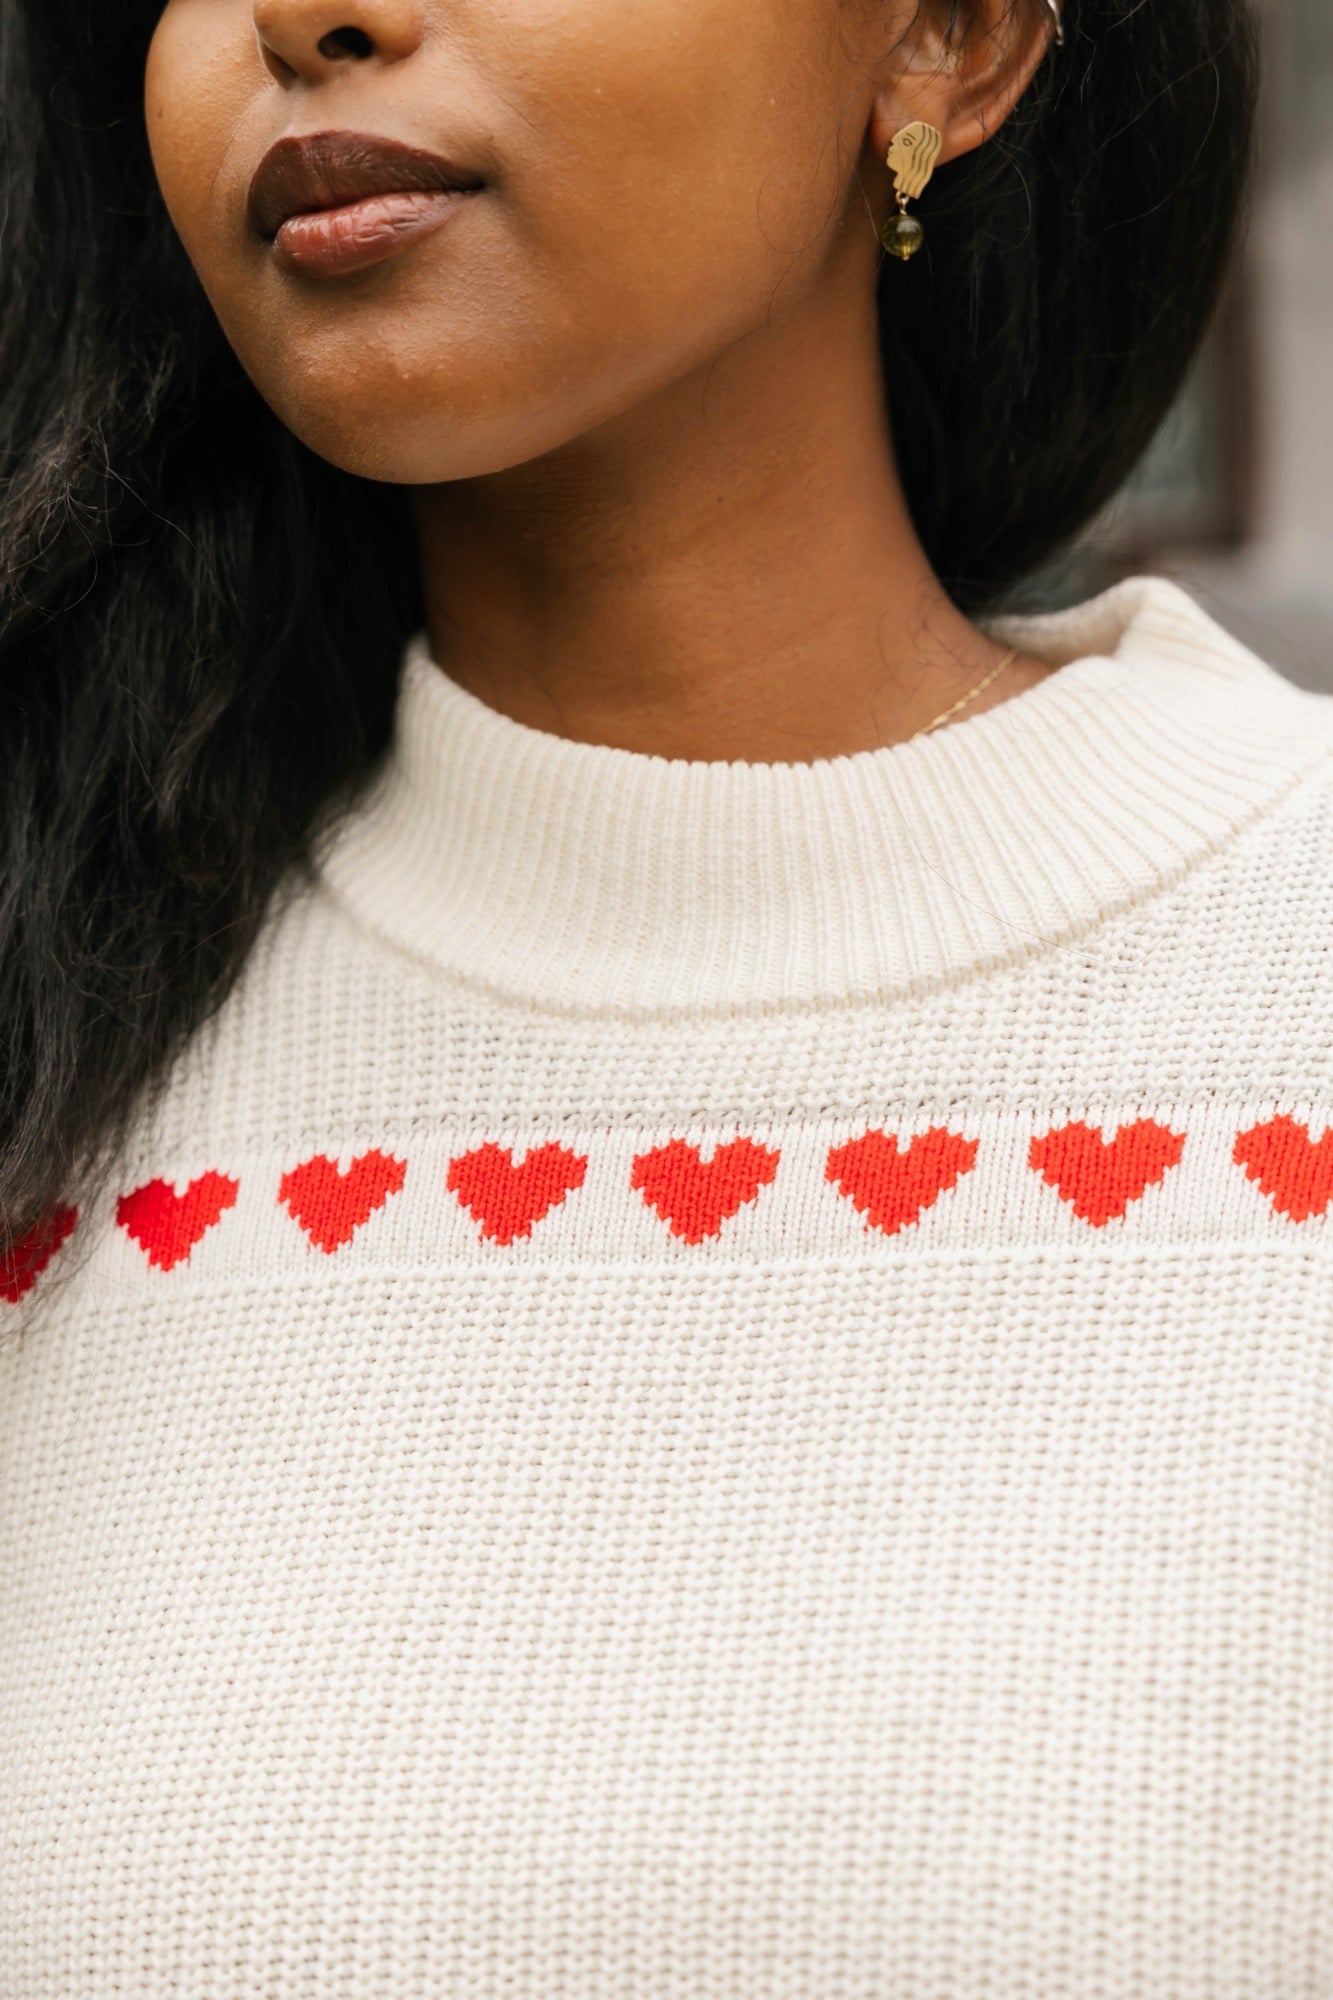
(201, 622)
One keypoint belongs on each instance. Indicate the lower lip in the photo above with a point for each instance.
(330, 242)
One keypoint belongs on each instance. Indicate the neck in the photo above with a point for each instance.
(728, 571)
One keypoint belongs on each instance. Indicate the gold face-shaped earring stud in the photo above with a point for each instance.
(911, 160)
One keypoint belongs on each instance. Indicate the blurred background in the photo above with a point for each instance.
(1236, 498)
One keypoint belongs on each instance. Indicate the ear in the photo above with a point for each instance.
(961, 69)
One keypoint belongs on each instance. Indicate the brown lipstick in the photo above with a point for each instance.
(335, 202)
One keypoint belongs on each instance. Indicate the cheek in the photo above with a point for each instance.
(681, 174)
(198, 84)
(687, 151)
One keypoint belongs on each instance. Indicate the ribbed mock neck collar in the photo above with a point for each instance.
(579, 876)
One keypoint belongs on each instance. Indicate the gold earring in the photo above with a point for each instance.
(911, 160)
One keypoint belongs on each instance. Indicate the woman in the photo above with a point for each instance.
(668, 1274)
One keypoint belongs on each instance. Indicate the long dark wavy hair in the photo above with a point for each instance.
(201, 621)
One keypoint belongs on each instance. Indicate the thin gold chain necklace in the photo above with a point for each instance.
(984, 682)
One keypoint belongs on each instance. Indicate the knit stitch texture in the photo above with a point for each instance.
(715, 1382)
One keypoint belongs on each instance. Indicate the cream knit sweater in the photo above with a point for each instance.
(715, 1383)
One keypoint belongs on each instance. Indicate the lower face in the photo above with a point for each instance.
(650, 182)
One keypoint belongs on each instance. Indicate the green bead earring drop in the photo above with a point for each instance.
(911, 160)
(902, 236)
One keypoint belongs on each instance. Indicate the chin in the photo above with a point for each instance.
(397, 455)
(418, 442)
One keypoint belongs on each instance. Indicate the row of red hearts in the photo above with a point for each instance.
(891, 1185)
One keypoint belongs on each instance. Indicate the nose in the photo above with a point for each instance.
(309, 41)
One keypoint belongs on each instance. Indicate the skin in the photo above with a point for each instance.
(634, 385)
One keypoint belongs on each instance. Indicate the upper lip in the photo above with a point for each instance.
(330, 169)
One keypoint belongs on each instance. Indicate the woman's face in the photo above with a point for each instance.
(619, 191)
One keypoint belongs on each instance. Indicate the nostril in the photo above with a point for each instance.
(341, 43)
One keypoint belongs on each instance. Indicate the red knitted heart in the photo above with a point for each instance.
(507, 1200)
(1098, 1177)
(694, 1198)
(891, 1188)
(24, 1263)
(168, 1225)
(1293, 1170)
(331, 1206)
